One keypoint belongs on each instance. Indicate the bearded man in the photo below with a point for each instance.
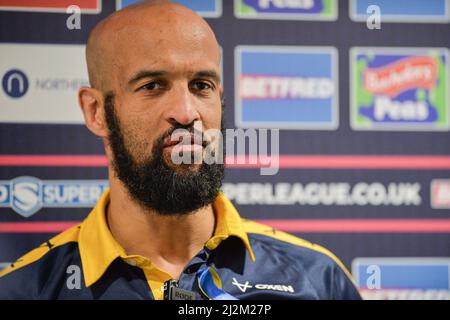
(164, 230)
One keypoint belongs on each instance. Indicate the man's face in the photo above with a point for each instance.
(162, 78)
(161, 82)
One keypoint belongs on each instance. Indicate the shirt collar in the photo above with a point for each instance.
(228, 223)
(98, 248)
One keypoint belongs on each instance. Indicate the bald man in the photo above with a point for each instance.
(164, 230)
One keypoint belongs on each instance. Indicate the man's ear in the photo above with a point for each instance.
(92, 105)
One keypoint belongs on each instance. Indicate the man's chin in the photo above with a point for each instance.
(189, 163)
(185, 168)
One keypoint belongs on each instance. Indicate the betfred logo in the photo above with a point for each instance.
(286, 9)
(27, 195)
(86, 6)
(402, 278)
(400, 89)
(271, 87)
(205, 8)
(440, 194)
(286, 87)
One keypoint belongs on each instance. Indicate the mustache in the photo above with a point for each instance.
(166, 136)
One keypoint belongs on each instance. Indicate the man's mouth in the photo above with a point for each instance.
(184, 142)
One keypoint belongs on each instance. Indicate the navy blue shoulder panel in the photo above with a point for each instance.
(44, 277)
(58, 275)
(312, 269)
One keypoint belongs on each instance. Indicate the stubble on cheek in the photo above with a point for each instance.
(138, 146)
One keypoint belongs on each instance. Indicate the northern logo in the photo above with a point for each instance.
(15, 83)
(27, 195)
(286, 9)
(39, 83)
(400, 89)
(286, 87)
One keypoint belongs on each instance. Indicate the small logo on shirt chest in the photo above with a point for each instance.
(261, 286)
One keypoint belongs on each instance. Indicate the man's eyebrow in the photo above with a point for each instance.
(208, 74)
(146, 74)
(158, 73)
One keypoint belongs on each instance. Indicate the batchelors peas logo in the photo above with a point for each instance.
(26, 195)
(286, 9)
(400, 89)
(15, 83)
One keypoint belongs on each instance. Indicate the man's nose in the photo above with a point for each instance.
(181, 107)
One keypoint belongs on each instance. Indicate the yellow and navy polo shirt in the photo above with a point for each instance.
(253, 261)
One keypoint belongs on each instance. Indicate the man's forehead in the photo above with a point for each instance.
(156, 26)
(167, 46)
(159, 37)
(168, 61)
(148, 12)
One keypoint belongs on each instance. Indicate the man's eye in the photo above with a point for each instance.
(154, 85)
(201, 85)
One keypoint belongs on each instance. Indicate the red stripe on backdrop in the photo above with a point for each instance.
(288, 225)
(350, 162)
(411, 162)
(53, 161)
(361, 225)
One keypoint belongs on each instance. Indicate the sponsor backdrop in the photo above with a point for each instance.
(363, 117)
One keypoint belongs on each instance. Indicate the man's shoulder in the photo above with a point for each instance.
(302, 251)
(322, 268)
(31, 272)
(269, 235)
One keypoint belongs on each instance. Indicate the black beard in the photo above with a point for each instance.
(154, 184)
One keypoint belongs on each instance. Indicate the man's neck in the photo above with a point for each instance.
(169, 242)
